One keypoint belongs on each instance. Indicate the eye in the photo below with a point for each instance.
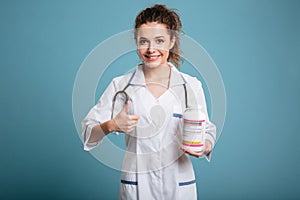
(142, 41)
(160, 41)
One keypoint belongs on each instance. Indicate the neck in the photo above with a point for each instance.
(158, 73)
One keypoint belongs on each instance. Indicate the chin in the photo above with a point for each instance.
(152, 64)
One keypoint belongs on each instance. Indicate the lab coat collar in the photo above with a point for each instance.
(175, 79)
(139, 78)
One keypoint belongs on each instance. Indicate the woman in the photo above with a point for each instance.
(155, 165)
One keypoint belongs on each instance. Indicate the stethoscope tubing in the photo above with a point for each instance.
(127, 96)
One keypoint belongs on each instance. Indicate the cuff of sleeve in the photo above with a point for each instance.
(86, 136)
(90, 146)
(211, 138)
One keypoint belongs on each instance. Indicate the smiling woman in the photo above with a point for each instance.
(160, 14)
(156, 166)
(154, 43)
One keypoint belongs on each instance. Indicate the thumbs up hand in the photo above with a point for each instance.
(124, 122)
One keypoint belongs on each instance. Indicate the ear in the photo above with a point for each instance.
(172, 42)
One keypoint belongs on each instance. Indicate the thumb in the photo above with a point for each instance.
(126, 107)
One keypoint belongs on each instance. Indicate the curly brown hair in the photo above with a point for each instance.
(161, 14)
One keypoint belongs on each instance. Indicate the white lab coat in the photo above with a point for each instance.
(154, 166)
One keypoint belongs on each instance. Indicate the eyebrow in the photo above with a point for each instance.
(154, 38)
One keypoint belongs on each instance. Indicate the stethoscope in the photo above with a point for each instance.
(123, 92)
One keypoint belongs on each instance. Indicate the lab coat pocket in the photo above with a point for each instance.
(128, 187)
(187, 190)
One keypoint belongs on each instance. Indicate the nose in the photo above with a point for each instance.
(151, 47)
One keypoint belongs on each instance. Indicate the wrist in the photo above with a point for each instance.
(112, 126)
(108, 127)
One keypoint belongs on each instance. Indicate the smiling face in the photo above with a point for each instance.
(154, 43)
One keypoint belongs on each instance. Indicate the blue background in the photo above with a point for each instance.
(255, 45)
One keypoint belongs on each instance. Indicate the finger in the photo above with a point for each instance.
(196, 154)
(193, 153)
(130, 128)
(134, 122)
(199, 153)
(127, 106)
(133, 117)
(208, 145)
(207, 149)
(132, 125)
(130, 121)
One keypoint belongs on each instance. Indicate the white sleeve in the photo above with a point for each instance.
(210, 128)
(100, 113)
